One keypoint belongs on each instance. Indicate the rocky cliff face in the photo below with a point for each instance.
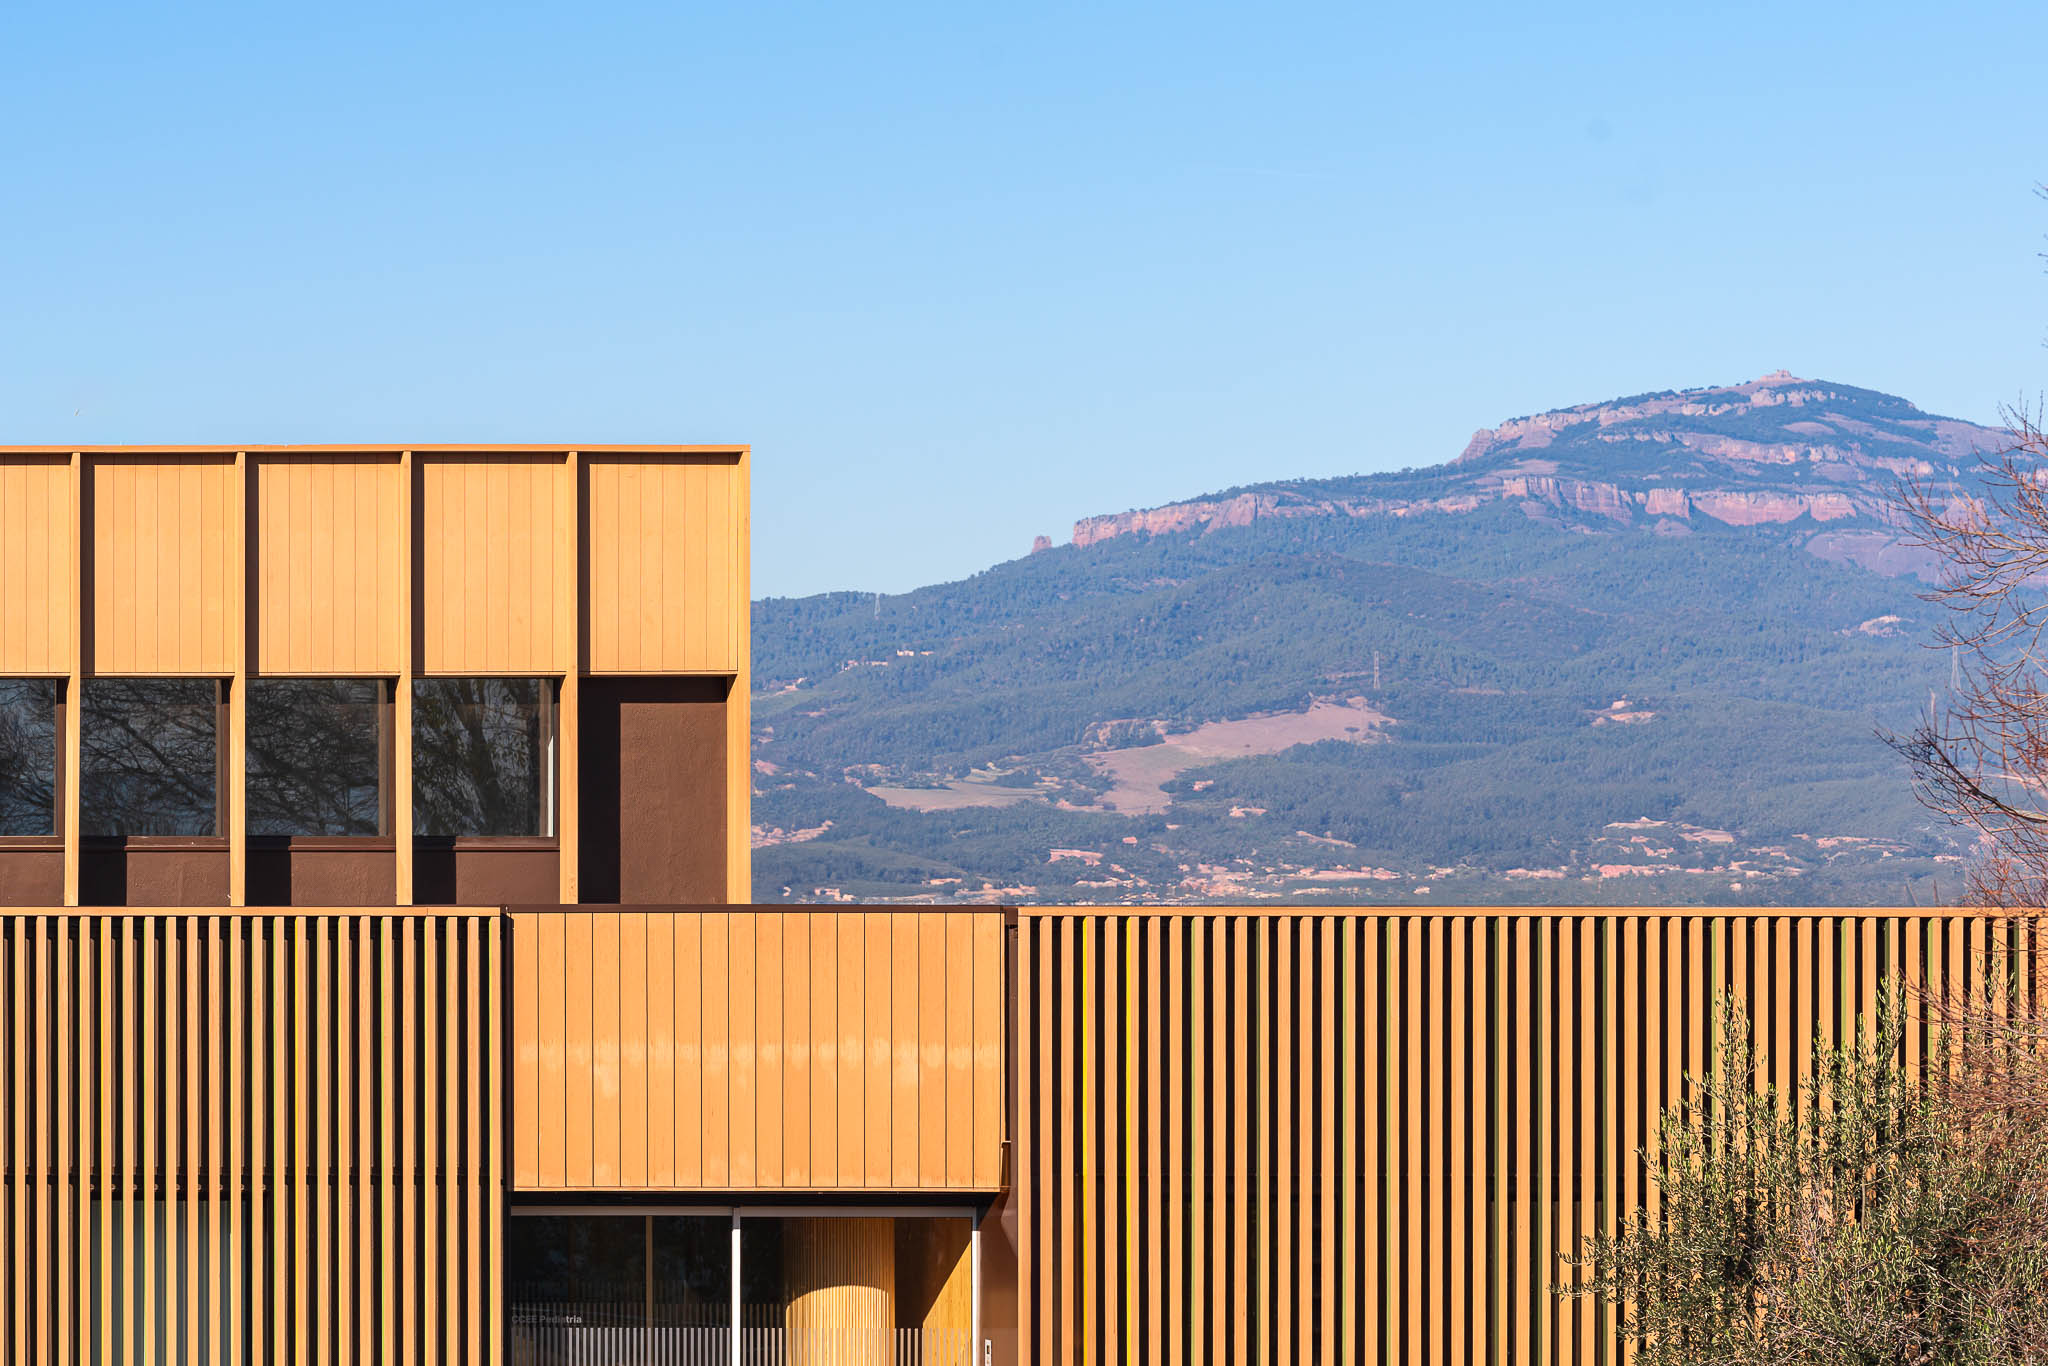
(1771, 452)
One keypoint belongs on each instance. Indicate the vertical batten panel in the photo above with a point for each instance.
(154, 569)
(38, 535)
(494, 567)
(328, 553)
(667, 595)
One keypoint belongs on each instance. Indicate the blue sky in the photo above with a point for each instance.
(964, 274)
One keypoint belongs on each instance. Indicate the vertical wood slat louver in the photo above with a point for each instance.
(216, 1129)
(1254, 1135)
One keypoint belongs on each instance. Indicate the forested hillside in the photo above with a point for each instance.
(1626, 652)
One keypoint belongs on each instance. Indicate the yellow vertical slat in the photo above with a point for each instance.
(321, 1116)
(193, 1062)
(1461, 1282)
(240, 1020)
(303, 1069)
(1614, 1102)
(63, 1060)
(1349, 1176)
(368, 1156)
(1245, 1080)
(1414, 1246)
(1522, 1177)
(393, 1160)
(338, 1171)
(1112, 1096)
(215, 1188)
(22, 1067)
(263, 1284)
(1158, 1187)
(605, 1041)
(1591, 1095)
(1334, 1089)
(1169, 1114)
(413, 1153)
(451, 1140)
(429, 1121)
(493, 1185)
(113, 1043)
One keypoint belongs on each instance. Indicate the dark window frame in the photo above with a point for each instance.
(549, 799)
(61, 718)
(222, 689)
(387, 730)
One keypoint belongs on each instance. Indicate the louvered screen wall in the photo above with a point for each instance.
(260, 1138)
(1352, 1137)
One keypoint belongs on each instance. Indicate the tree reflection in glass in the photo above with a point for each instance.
(28, 756)
(316, 756)
(149, 757)
(481, 758)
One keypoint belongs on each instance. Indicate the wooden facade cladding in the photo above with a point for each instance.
(385, 562)
(497, 538)
(1357, 1137)
(758, 1050)
(662, 590)
(330, 566)
(166, 565)
(37, 537)
(236, 1138)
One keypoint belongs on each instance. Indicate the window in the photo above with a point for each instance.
(619, 1287)
(317, 756)
(28, 757)
(150, 757)
(483, 757)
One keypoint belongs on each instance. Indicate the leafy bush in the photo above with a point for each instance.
(1872, 1221)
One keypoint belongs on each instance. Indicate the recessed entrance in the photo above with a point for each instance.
(804, 1287)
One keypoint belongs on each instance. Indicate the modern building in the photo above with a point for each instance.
(379, 983)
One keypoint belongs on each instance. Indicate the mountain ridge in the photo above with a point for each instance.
(1532, 460)
(1633, 651)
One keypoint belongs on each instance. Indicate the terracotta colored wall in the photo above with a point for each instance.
(653, 792)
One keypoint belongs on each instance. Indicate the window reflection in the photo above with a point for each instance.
(625, 1288)
(483, 756)
(316, 756)
(28, 756)
(149, 757)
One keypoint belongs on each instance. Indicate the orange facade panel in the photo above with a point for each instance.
(330, 571)
(230, 1138)
(38, 529)
(666, 540)
(1253, 1136)
(496, 551)
(757, 1050)
(166, 564)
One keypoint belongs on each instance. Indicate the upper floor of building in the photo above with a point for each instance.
(373, 675)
